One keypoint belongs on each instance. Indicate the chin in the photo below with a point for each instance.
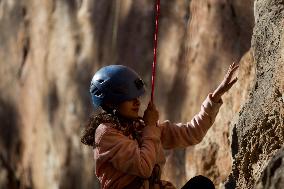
(134, 116)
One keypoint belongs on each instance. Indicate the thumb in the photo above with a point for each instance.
(233, 82)
(150, 105)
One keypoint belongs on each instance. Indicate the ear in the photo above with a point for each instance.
(109, 105)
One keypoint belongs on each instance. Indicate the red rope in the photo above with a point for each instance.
(157, 6)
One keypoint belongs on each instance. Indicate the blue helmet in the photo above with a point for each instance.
(115, 84)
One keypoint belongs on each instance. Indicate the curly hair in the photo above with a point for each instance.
(127, 126)
(88, 136)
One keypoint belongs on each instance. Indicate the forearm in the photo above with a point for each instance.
(191, 133)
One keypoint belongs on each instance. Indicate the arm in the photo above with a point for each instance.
(124, 153)
(182, 135)
(191, 133)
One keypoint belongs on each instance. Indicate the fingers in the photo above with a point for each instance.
(227, 82)
(229, 85)
(232, 68)
(151, 114)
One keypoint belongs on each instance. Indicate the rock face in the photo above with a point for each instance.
(258, 131)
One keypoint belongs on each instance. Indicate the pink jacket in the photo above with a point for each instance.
(119, 159)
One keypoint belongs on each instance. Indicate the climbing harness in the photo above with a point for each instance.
(157, 6)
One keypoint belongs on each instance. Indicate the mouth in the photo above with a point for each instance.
(135, 109)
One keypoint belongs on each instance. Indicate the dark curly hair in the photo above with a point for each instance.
(88, 136)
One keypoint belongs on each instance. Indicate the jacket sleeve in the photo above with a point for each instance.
(125, 153)
(191, 133)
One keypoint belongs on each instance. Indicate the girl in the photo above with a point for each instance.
(128, 149)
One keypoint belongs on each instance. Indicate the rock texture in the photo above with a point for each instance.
(258, 131)
(272, 175)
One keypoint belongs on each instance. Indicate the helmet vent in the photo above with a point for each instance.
(95, 91)
(98, 93)
(100, 80)
(139, 83)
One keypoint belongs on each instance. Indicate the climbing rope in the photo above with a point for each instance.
(157, 6)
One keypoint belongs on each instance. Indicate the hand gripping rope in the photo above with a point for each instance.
(157, 6)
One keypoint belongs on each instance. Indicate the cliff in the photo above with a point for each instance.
(258, 131)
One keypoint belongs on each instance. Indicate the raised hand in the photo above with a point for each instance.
(226, 84)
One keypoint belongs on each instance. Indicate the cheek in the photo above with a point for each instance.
(124, 107)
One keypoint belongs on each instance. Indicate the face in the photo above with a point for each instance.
(130, 108)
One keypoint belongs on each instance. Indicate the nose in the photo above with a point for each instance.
(136, 102)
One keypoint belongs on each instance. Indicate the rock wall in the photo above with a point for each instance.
(49, 51)
(258, 131)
